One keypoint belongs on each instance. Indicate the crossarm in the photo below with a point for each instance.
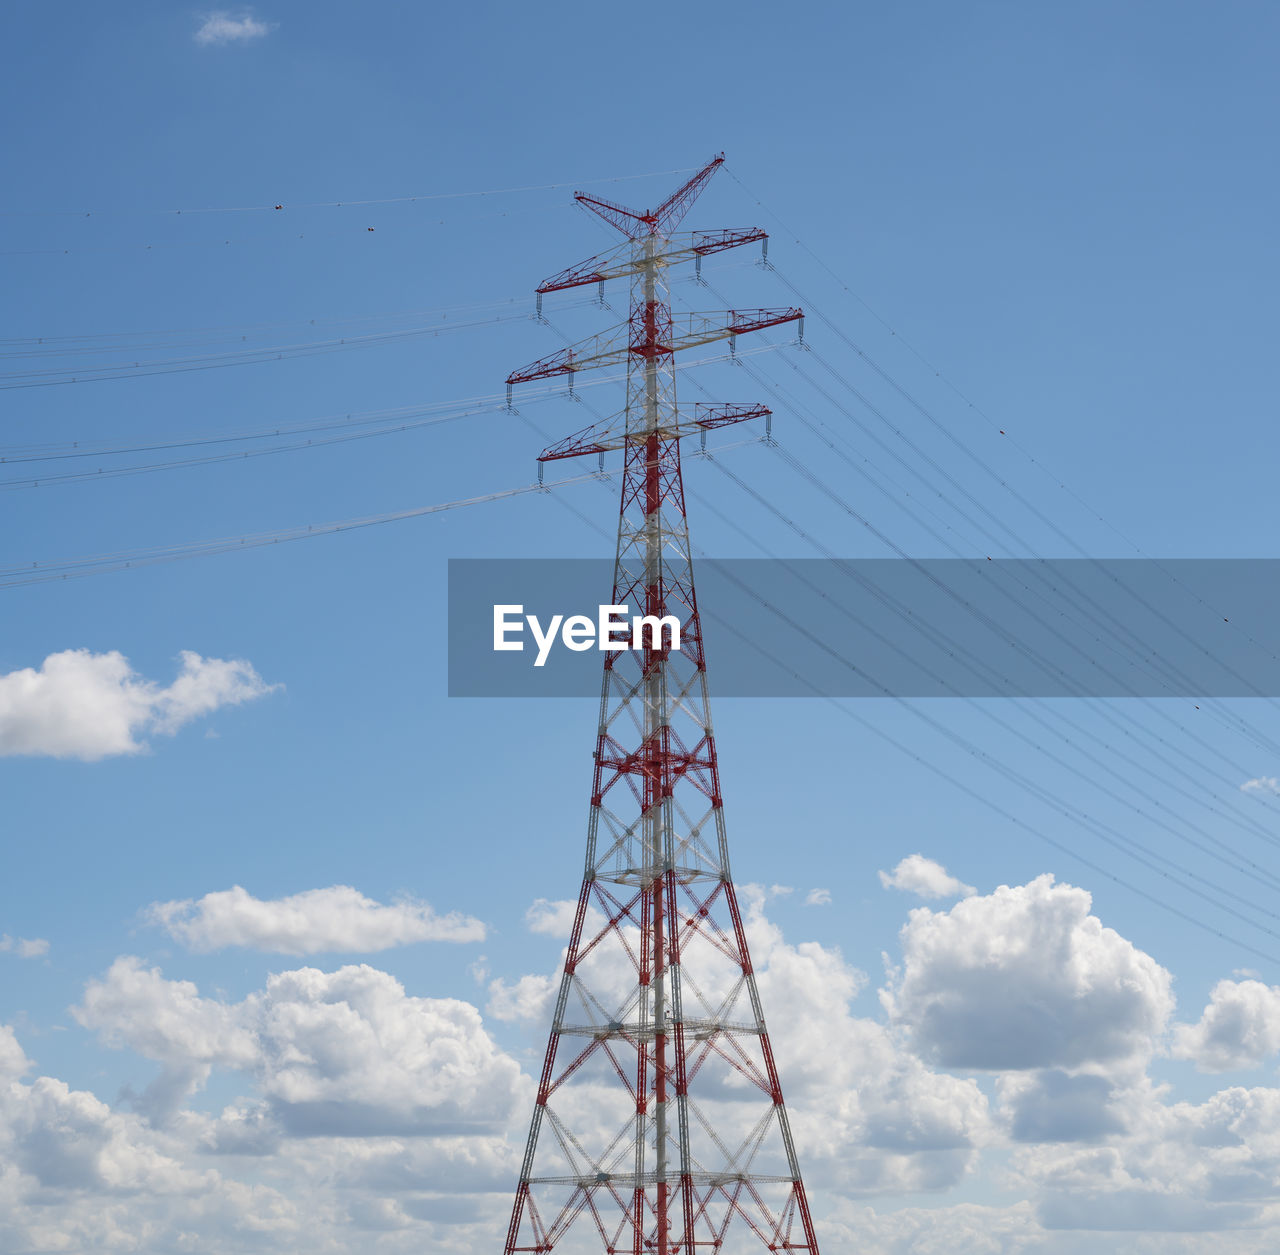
(687, 331)
(612, 432)
(619, 262)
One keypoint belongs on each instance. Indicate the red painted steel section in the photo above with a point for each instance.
(660, 221)
(573, 277)
(707, 242)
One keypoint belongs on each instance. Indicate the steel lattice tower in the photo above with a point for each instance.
(659, 1120)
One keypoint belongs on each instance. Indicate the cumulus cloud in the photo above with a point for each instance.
(24, 947)
(818, 897)
(411, 1106)
(134, 1005)
(349, 1052)
(1261, 784)
(552, 919)
(1026, 977)
(337, 919)
(168, 1021)
(1057, 1106)
(528, 998)
(13, 1060)
(1208, 1168)
(76, 1175)
(221, 27)
(93, 706)
(925, 878)
(345, 1053)
(969, 1227)
(1240, 1028)
(870, 1115)
(70, 1139)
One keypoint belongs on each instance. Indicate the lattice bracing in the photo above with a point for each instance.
(659, 1123)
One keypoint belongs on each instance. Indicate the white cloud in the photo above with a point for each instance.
(70, 1139)
(925, 878)
(13, 1060)
(76, 1175)
(869, 1115)
(134, 1005)
(1026, 978)
(1058, 1106)
(1177, 1168)
(93, 706)
(1240, 1028)
(349, 1052)
(939, 1230)
(343, 1053)
(1261, 784)
(553, 919)
(818, 897)
(24, 947)
(168, 1021)
(220, 27)
(315, 921)
(410, 1105)
(528, 998)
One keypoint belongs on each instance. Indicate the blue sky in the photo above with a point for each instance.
(1052, 222)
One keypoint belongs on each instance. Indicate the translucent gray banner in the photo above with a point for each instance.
(890, 627)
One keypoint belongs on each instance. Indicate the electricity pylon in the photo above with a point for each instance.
(659, 1124)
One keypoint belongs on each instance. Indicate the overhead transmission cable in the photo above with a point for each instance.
(1079, 603)
(361, 231)
(1183, 878)
(352, 202)
(1208, 845)
(14, 380)
(1219, 851)
(1247, 823)
(1104, 709)
(21, 347)
(41, 572)
(947, 432)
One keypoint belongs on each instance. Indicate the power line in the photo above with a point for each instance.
(132, 370)
(1224, 852)
(1139, 852)
(285, 235)
(120, 560)
(963, 447)
(339, 204)
(1120, 648)
(19, 347)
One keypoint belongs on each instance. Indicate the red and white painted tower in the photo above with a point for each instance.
(659, 1124)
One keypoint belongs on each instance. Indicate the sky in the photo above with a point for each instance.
(269, 888)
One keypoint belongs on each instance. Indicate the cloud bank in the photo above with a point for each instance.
(416, 1107)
